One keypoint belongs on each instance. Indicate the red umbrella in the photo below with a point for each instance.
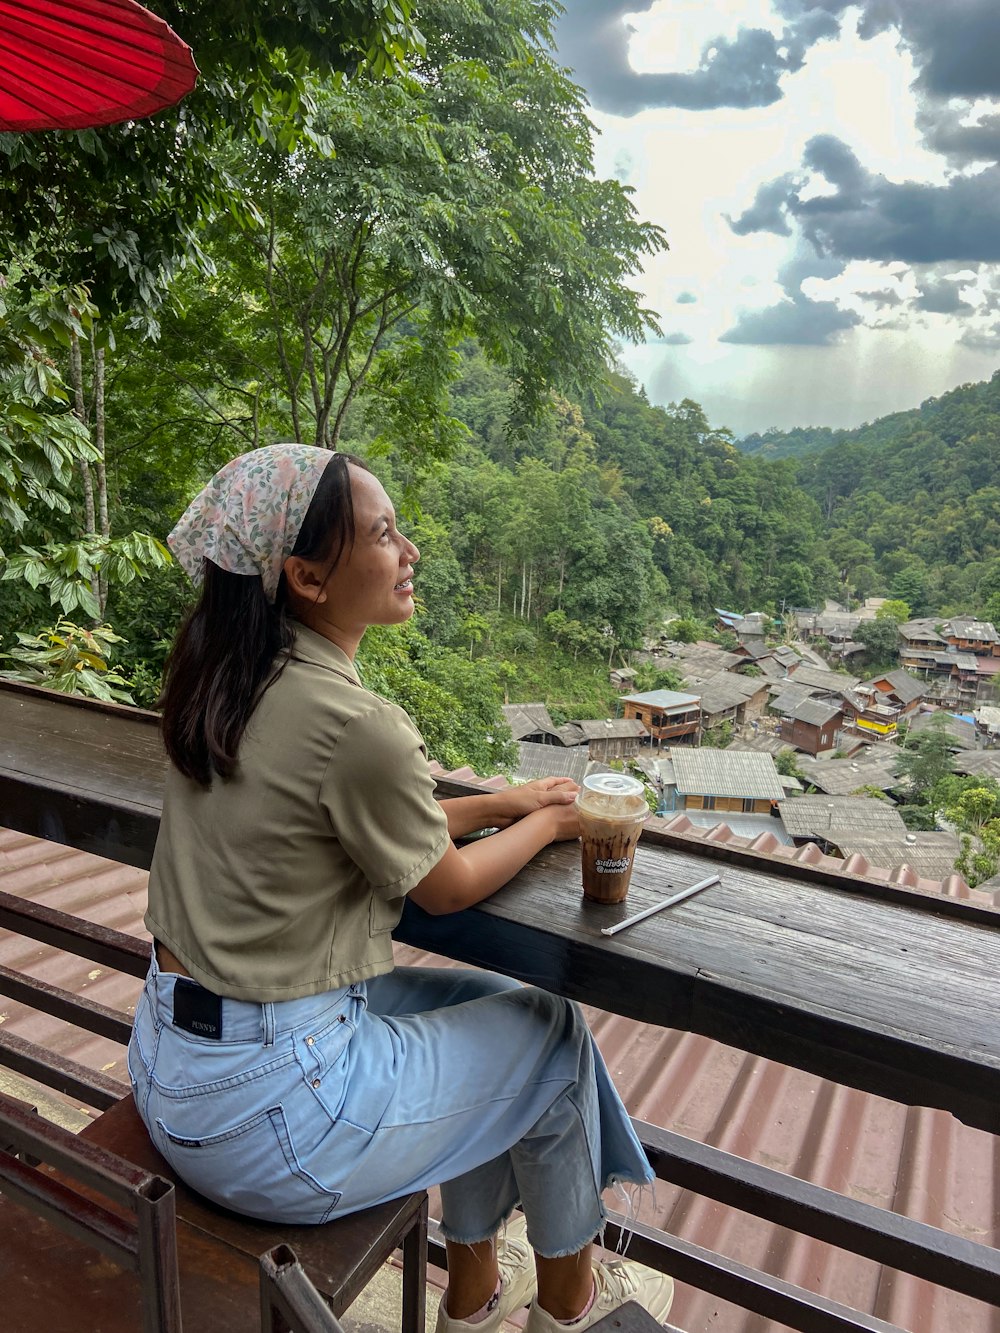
(71, 64)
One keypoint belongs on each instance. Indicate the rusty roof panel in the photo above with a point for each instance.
(919, 1162)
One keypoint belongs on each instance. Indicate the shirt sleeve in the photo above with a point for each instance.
(378, 793)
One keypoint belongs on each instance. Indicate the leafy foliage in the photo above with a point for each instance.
(40, 438)
(120, 208)
(67, 570)
(70, 659)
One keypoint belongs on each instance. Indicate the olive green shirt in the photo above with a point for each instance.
(287, 878)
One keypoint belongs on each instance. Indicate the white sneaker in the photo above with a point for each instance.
(516, 1262)
(615, 1282)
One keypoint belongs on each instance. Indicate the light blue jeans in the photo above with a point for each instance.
(309, 1109)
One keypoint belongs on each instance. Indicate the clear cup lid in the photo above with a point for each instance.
(613, 784)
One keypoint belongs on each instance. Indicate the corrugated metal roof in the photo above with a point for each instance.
(765, 742)
(831, 681)
(725, 690)
(709, 772)
(828, 817)
(923, 631)
(665, 699)
(981, 763)
(931, 855)
(839, 777)
(551, 761)
(612, 728)
(921, 1163)
(816, 712)
(527, 719)
(960, 733)
(962, 628)
(905, 686)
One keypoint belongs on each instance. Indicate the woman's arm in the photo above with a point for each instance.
(468, 875)
(499, 809)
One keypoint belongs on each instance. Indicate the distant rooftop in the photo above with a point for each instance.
(665, 699)
(816, 712)
(708, 772)
(840, 777)
(832, 817)
(962, 627)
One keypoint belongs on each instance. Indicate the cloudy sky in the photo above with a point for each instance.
(828, 176)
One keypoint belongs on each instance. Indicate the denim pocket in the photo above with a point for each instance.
(252, 1168)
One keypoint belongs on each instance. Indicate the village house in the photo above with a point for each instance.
(696, 662)
(551, 761)
(728, 697)
(813, 724)
(961, 733)
(833, 821)
(531, 722)
(878, 706)
(898, 688)
(785, 696)
(668, 715)
(719, 780)
(827, 624)
(622, 678)
(964, 635)
(611, 738)
(920, 636)
(873, 766)
(821, 681)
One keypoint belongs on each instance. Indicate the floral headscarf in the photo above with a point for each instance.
(248, 517)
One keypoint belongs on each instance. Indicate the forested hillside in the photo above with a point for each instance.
(911, 503)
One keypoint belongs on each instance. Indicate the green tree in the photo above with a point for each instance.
(459, 199)
(881, 640)
(41, 439)
(120, 208)
(924, 762)
(895, 610)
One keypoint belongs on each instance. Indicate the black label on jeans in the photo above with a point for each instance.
(197, 1010)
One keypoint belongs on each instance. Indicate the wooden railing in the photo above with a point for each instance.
(50, 802)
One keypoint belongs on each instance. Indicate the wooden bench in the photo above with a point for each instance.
(52, 1279)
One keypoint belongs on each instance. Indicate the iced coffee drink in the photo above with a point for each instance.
(612, 810)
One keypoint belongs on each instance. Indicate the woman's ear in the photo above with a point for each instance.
(305, 579)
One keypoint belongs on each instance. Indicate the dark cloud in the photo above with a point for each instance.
(674, 339)
(805, 264)
(982, 340)
(944, 132)
(769, 210)
(870, 217)
(797, 322)
(881, 299)
(686, 298)
(953, 44)
(942, 297)
(743, 71)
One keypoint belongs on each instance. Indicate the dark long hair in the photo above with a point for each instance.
(234, 643)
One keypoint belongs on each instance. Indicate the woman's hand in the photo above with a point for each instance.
(516, 802)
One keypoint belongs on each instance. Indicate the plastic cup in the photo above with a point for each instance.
(612, 809)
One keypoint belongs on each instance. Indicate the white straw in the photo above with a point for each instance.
(658, 907)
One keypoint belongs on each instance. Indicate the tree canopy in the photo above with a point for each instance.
(119, 209)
